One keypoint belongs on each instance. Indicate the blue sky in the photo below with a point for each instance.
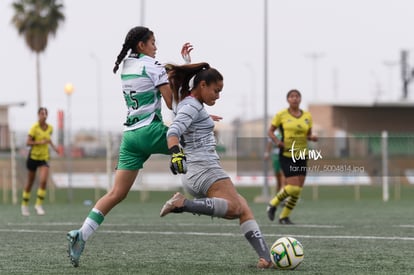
(354, 40)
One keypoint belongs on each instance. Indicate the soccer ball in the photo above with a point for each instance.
(286, 253)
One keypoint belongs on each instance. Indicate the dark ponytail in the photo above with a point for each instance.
(180, 76)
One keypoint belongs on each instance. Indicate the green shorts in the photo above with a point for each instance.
(276, 163)
(139, 144)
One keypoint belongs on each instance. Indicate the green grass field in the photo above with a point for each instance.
(340, 235)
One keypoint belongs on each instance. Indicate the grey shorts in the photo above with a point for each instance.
(201, 176)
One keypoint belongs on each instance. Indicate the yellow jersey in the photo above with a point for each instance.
(40, 151)
(294, 130)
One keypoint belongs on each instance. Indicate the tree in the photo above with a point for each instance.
(36, 20)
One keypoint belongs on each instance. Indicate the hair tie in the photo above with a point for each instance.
(191, 83)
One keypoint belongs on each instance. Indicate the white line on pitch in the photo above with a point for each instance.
(219, 234)
(175, 224)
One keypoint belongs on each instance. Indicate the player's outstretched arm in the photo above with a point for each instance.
(185, 52)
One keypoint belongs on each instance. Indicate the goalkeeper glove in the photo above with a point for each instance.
(178, 163)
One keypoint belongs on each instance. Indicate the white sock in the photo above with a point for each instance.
(91, 223)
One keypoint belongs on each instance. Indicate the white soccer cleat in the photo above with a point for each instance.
(39, 210)
(175, 204)
(76, 244)
(25, 211)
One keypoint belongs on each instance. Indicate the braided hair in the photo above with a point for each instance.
(132, 38)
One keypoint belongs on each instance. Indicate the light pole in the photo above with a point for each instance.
(142, 12)
(265, 190)
(68, 91)
(315, 58)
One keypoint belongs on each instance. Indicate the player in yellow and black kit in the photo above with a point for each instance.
(39, 139)
(295, 126)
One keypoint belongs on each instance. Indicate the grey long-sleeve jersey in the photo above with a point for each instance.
(195, 128)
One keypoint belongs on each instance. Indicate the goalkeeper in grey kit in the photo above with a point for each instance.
(194, 85)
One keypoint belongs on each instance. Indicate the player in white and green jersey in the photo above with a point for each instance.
(141, 76)
(144, 83)
(272, 150)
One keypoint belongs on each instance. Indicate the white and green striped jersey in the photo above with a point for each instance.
(141, 76)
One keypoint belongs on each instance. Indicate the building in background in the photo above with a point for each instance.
(4, 124)
(333, 120)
